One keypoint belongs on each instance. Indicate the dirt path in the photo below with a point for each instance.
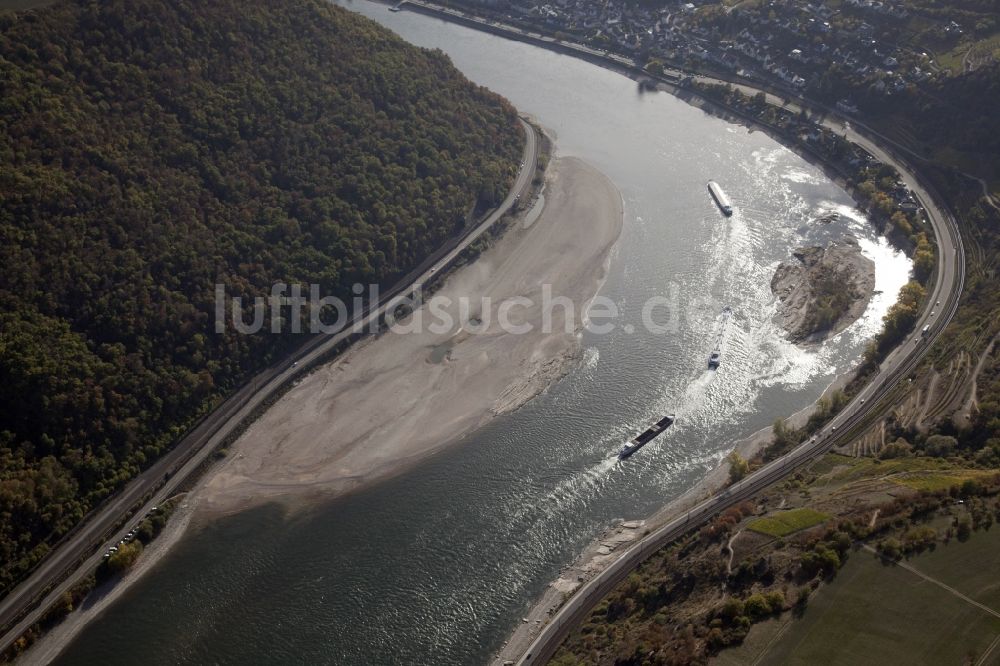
(989, 651)
(986, 191)
(732, 553)
(774, 639)
(965, 414)
(871, 523)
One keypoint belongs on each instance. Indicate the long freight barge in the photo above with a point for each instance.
(644, 438)
(725, 205)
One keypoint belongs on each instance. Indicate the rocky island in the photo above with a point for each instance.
(822, 291)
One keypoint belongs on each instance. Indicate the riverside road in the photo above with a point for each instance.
(940, 307)
(81, 552)
(941, 304)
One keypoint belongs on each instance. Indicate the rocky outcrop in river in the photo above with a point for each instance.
(822, 291)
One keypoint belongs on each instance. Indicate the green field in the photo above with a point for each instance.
(873, 613)
(917, 472)
(848, 468)
(786, 522)
(932, 481)
(980, 49)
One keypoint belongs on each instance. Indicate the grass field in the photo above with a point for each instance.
(855, 468)
(873, 613)
(917, 472)
(980, 51)
(786, 522)
(971, 568)
(939, 480)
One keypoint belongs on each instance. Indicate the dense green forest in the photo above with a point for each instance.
(151, 149)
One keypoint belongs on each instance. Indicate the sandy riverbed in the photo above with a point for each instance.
(399, 397)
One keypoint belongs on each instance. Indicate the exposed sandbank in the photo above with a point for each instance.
(399, 397)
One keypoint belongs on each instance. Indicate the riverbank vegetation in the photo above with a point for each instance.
(130, 549)
(112, 567)
(151, 150)
(947, 411)
(929, 485)
(772, 557)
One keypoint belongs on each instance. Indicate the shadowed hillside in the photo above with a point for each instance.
(151, 149)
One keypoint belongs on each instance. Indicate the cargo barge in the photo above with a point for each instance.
(647, 436)
(725, 205)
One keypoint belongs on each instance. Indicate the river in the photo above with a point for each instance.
(437, 566)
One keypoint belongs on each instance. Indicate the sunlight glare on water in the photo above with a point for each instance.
(438, 565)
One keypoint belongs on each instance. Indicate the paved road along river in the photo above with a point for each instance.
(437, 566)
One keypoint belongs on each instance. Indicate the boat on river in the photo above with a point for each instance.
(721, 200)
(647, 436)
(715, 358)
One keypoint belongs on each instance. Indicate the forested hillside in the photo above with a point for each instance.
(150, 149)
(952, 121)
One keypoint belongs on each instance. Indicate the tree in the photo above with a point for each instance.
(898, 449)
(940, 446)
(732, 609)
(738, 467)
(820, 559)
(923, 258)
(783, 435)
(757, 606)
(121, 560)
(971, 488)
(188, 144)
(963, 529)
